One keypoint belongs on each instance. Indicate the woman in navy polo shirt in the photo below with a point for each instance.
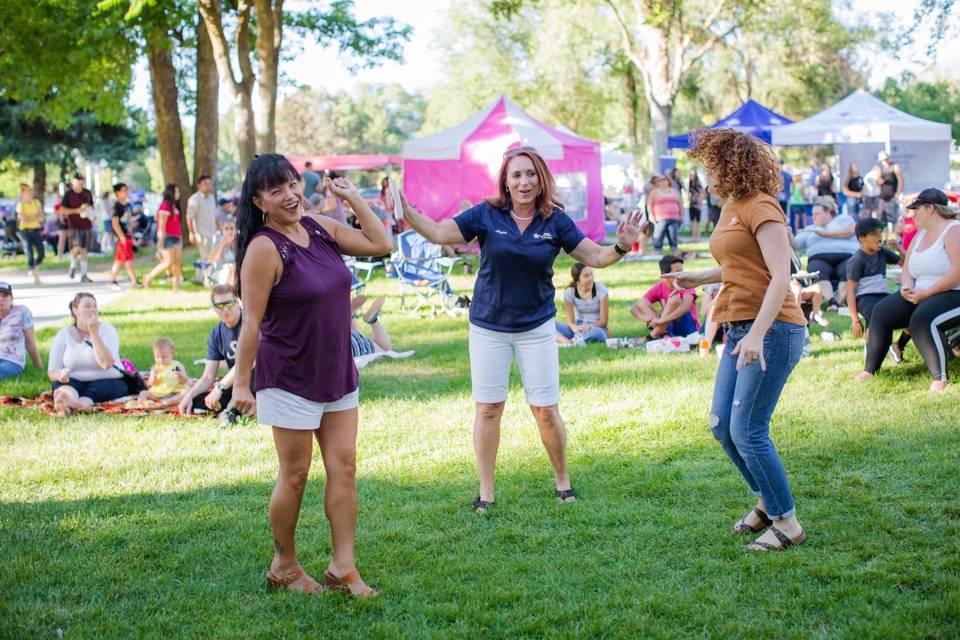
(520, 232)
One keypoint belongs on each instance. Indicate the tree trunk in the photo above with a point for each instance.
(244, 129)
(633, 106)
(241, 90)
(660, 117)
(39, 181)
(207, 129)
(269, 38)
(163, 80)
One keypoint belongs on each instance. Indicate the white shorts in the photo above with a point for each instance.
(492, 353)
(279, 408)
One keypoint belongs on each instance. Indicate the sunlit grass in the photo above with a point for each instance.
(133, 527)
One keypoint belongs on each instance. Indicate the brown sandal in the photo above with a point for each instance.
(275, 582)
(343, 584)
(741, 527)
(785, 541)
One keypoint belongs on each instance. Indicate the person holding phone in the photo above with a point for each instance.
(765, 326)
(83, 358)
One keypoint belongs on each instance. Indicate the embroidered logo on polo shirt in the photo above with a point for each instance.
(733, 220)
(545, 236)
(500, 232)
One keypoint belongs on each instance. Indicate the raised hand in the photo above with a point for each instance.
(341, 187)
(628, 232)
(683, 279)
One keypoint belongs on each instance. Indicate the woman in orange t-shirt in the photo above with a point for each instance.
(765, 327)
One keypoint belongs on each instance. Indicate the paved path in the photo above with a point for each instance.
(50, 302)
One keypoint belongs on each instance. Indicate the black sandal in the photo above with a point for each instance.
(567, 495)
(481, 506)
(741, 527)
(783, 538)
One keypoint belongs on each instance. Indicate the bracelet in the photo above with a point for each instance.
(620, 250)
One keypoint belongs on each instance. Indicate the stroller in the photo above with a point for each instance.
(11, 243)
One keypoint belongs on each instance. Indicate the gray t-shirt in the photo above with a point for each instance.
(870, 272)
(202, 209)
(585, 310)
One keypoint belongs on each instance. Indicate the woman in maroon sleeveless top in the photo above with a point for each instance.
(296, 325)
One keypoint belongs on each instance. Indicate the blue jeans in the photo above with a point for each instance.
(744, 401)
(594, 334)
(32, 243)
(8, 368)
(669, 228)
(853, 208)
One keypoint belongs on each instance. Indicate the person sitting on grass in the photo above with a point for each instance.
(17, 336)
(83, 359)
(167, 382)
(207, 394)
(678, 307)
(360, 344)
(867, 273)
(587, 308)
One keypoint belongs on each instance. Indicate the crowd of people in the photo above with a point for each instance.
(289, 349)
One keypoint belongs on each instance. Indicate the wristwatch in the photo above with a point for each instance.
(620, 250)
(218, 387)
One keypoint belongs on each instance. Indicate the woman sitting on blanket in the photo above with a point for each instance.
(360, 344)
(83, 360)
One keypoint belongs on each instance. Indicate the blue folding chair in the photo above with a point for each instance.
(424, 271)
(358, 267)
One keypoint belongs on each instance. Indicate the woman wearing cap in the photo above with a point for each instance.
(83, 358)
(17, 337)
(520, 230)
(929, 298)
(765, 326)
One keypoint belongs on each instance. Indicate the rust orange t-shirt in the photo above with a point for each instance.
(745, 275)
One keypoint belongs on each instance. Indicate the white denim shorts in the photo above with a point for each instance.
(492, 353)
(279, 408)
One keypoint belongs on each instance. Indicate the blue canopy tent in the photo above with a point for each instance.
(752, 117)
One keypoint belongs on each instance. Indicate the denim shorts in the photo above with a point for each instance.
(169, 242)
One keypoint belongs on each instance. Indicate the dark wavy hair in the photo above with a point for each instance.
(575, 272)
(266, 171)
(739, 165)
(546, 200)
(170, 196)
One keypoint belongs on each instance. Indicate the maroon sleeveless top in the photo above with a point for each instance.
(305, 334)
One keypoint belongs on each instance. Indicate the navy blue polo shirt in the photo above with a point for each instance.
(514, 289)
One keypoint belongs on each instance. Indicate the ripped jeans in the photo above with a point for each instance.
(744, 401)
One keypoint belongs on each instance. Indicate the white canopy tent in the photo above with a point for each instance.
(861, 125)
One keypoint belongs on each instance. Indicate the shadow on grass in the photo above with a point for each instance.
(645, 552)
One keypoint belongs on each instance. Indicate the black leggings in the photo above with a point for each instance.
(927, 321)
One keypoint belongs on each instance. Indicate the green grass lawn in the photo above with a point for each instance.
(121, 527)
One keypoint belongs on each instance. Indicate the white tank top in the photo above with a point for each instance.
(929, 265)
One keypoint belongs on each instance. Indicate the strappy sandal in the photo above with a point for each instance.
(481, 506)
(276, 582)
(785, 541)
(567, 495)
(343, 583)
(741, 527)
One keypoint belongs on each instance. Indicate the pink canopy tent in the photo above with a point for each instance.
(345, 162)
(461, 163)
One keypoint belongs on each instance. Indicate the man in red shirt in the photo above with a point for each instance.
(77, 205)
(677, 316)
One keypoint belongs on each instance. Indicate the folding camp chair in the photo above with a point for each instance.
(358, 267)
(422, 269)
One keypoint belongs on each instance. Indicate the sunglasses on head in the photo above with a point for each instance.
(226, 304)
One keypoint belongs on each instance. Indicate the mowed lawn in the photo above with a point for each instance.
(116, 527)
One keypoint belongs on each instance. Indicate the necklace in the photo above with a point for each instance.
(516, 217)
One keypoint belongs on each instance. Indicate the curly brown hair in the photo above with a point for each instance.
(738, 164)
